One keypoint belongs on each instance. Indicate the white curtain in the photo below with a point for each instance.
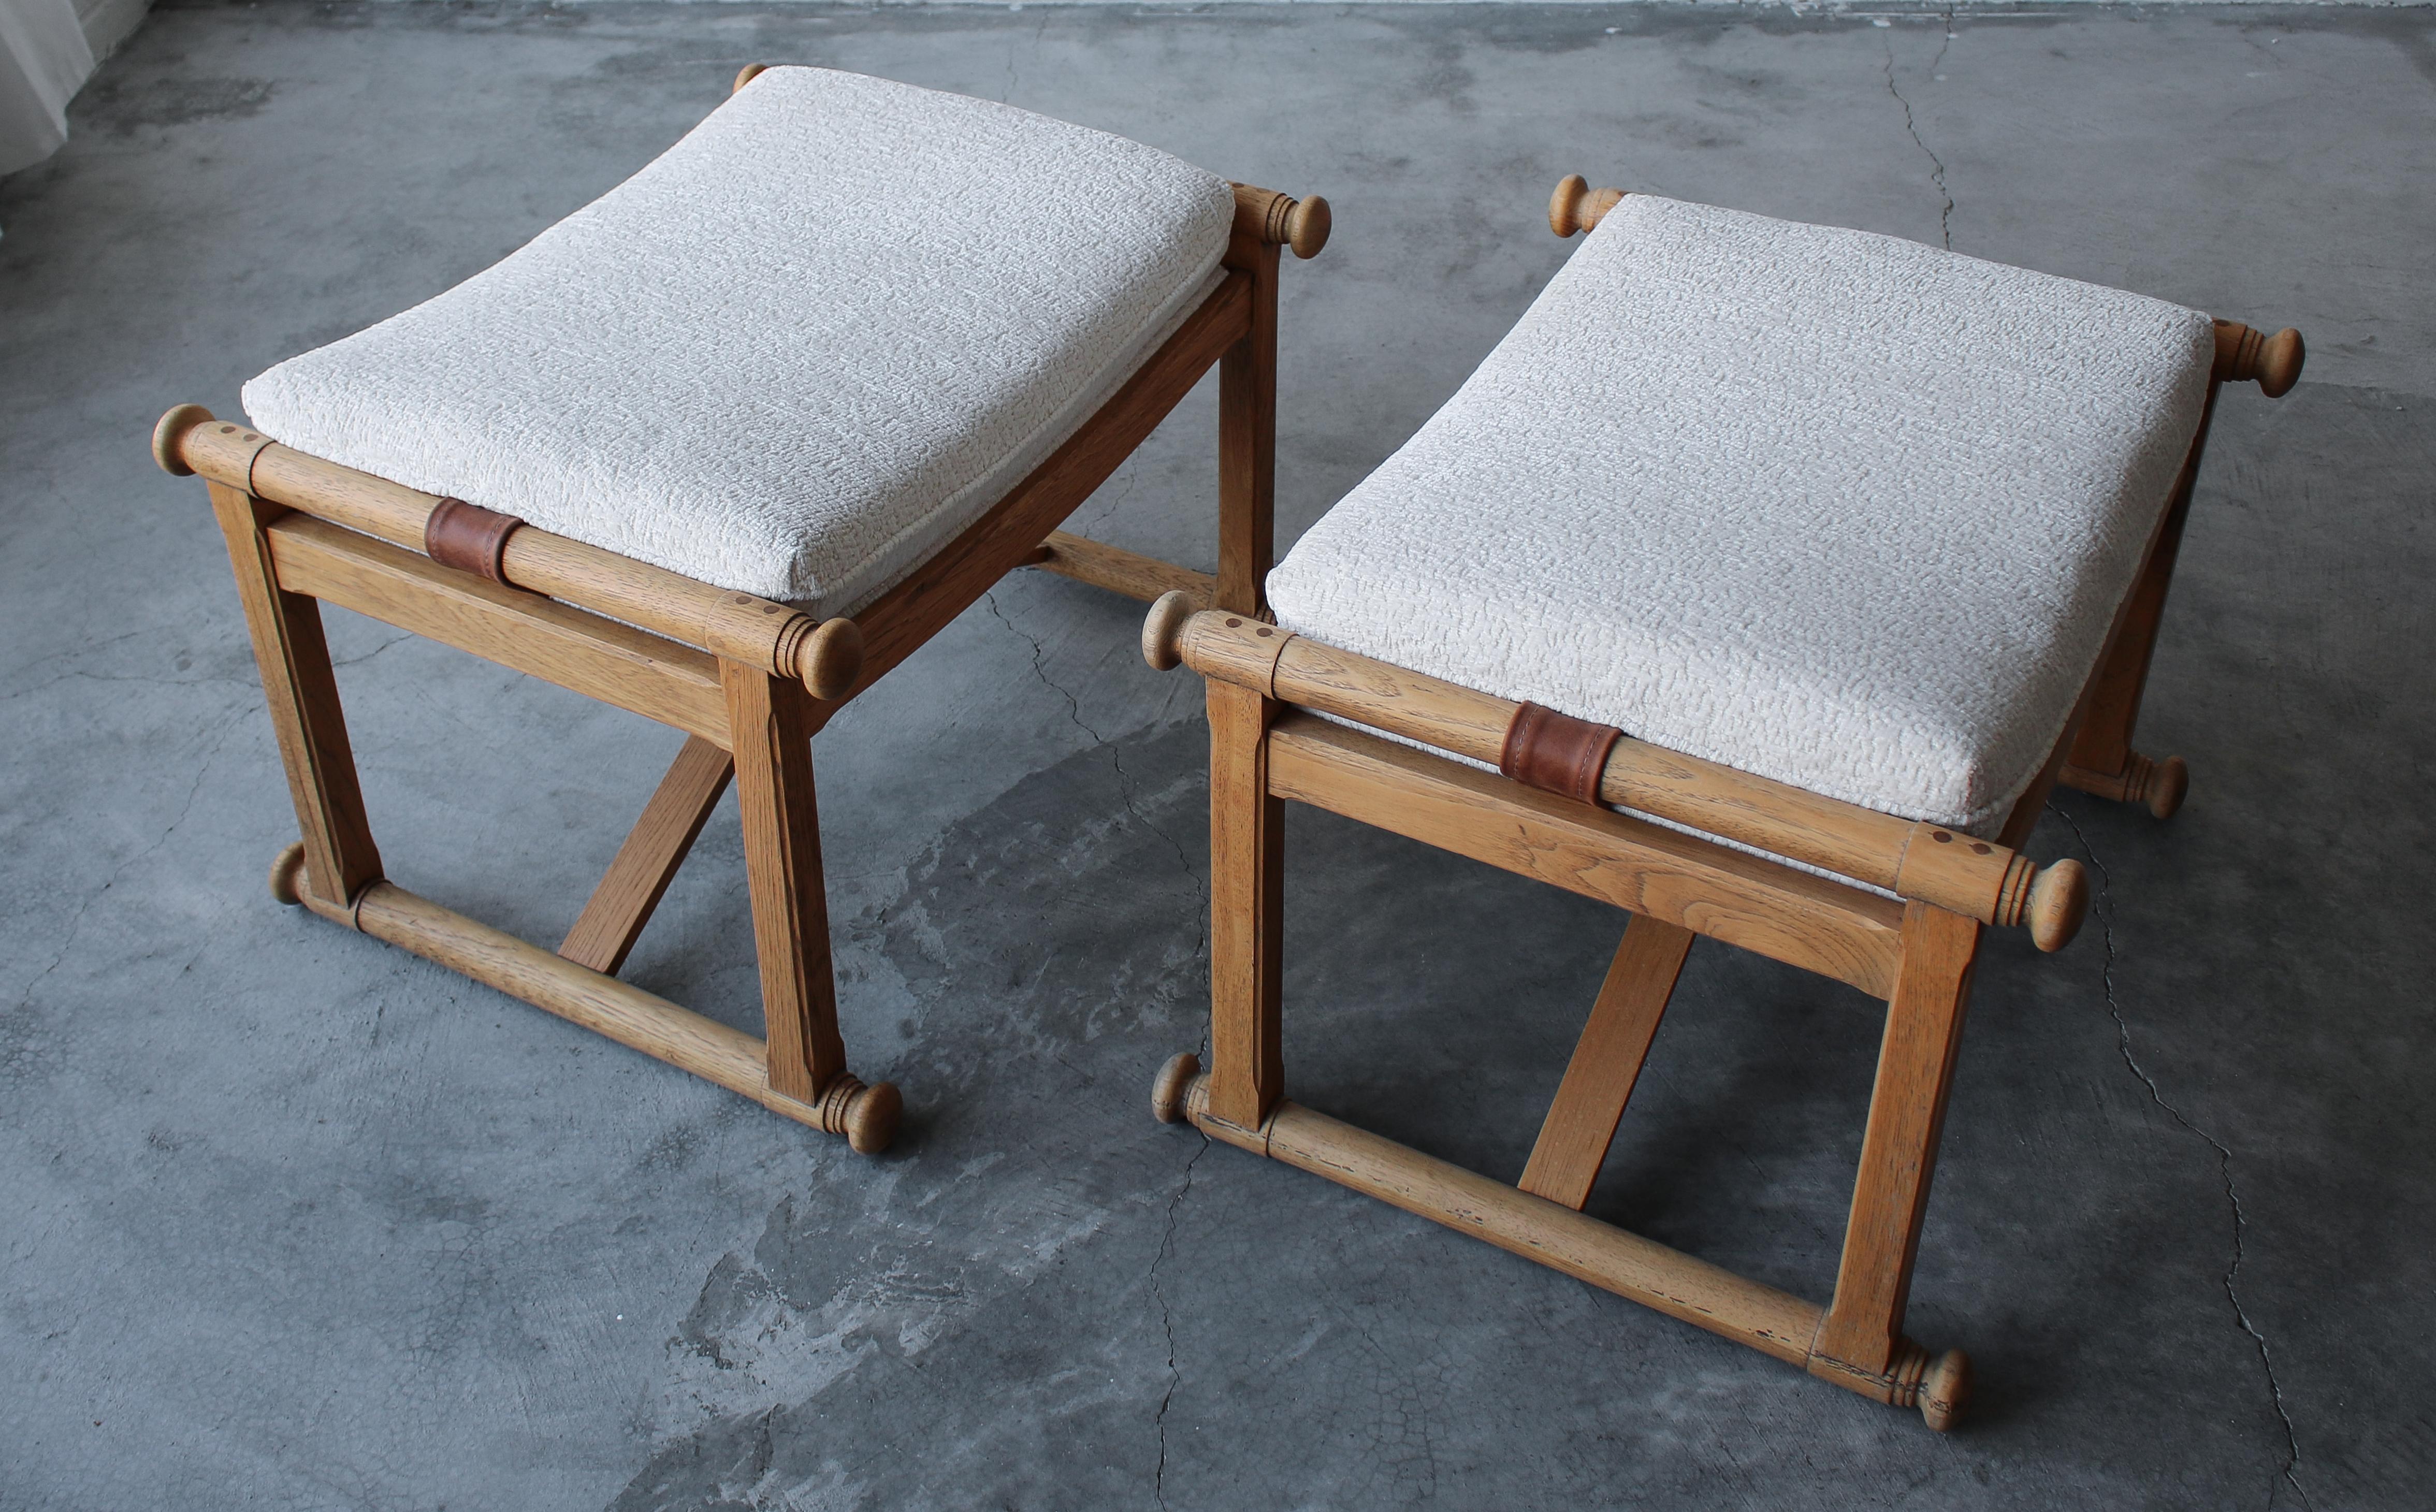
(44, 57)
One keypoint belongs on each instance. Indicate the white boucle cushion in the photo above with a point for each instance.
(1832, 508)
(795, 353)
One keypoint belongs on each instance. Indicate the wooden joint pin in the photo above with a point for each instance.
(1235, 649)
(1577, 206)
(826, 657)
(867, 1116)
(2243, 355)
(1276, 220)
(188, 440)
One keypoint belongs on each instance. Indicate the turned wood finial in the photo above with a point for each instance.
(1175, 1080)
(1163, 629)
(866, 1116)
(288, 872)
(171, 433)
(2059, 901)
(2274, 361)
(1282, 220)
(830, 658)
(1945, 1390)
(1577, 206)
(746, 74)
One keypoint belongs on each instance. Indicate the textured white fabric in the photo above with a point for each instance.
(1832, 508)
(795, 353)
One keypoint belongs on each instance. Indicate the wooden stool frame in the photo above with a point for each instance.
(748, 681)
(1267, 690)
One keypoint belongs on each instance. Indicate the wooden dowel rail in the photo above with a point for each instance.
(1706, 1296)
(825, 657)
(1909, 857)
(867, 1116)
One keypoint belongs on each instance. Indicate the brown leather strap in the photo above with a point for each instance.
(1556, 753)
(468, 537)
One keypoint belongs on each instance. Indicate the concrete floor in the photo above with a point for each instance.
(296, 1219)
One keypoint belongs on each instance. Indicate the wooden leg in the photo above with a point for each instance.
(1247, 910)
(1862, 1333)
(2102, 761)
(1248, 449)
(302, 691)
(772, 721)
(1598, 1081)
(648, 862)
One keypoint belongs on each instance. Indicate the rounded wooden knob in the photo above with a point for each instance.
(831, 659)
(1307, 226)
(2168, 784)
(2279, 363)
(871, 1117)
(1163, 629)
(1577, 206)
(2059, 901)
(1175, 1080)
(287, 872)
(746, 74)
(1945, 1390)
(171, 434)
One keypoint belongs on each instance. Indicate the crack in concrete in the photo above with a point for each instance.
(2104, 909)
(1167, 1320)
(1936, 165)
(1127, 793)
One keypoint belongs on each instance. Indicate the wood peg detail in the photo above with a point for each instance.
(1281, 220)
(1163, 633)
(171, 434)
(287, 874)
(1577, 206)
(829, 659)
(1175, 1080)
(2059, 901)
(746, 74)
(2244, 354)
(867, 1116)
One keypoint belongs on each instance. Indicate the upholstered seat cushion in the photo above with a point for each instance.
(795, 353)
(1832, 508)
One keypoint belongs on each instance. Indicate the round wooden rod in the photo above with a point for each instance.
(1577, 206)
(1912, 858)
(825, 657)
(746, 74)
(2274, 363)
(1281, 220)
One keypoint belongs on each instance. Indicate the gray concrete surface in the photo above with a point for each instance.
(288, 1219)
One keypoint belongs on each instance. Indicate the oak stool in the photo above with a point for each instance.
(723, 447)
(1761, 583)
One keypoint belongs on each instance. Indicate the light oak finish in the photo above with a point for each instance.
(1862, 1331)
(734, 625)
(599, 658)
(1581, 1122)
(1246, 907)
(772, 723)
(638, 878)
(867, 1116)
(1121, 571)
(1577, 206)
(749, 681)
(1267, 691)
(1647, 869)
(302, 692)
(746, 74)
(905, 617)
(2274, 363)
(1910, 857)
(1247, 447)
(1268, 219)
